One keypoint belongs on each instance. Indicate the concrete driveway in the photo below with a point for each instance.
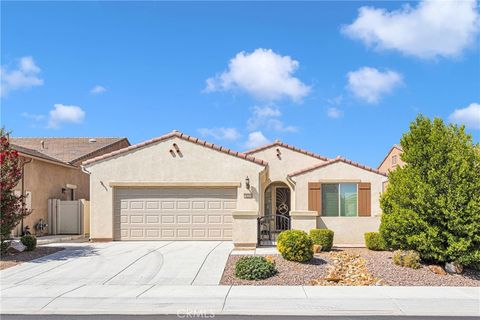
(125, 263)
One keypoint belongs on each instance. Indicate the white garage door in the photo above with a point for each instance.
(174, 213)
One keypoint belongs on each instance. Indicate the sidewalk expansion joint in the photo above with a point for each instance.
(225, 299)
(60, 295)
(138, 295)
(204, 260)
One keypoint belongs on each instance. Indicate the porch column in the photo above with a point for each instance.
(304, 220)
(245, 226)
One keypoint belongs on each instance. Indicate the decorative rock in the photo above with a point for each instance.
(16, 246)
(453, 267)
(348, 270)
(437, 270)
(317, 248)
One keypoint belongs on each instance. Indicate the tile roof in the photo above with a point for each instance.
(281, 144)
(183, 136)
(67, 150)
(36, 154)
(332, 161)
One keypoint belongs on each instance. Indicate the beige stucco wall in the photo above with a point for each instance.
(154, 163)
(45, 180)
(279, 168)
(336, 173)
(387, 165)
(349, 230)
(289, 162)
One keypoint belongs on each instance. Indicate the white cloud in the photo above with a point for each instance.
(263, 74)
(65, 114)
(334, 112)
(222, 133)
(370, 84)
(256, 139)
(35, 117)
(432, 28)
(469, 116)
(25, 76)
(98, 89)
(267, 117)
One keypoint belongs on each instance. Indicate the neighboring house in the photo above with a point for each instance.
(177, 187)
(392, 160)
(52, 170)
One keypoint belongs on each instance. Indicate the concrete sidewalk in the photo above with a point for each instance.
(239, 300)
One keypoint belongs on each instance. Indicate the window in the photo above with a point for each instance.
(339, 199)
(394, 160)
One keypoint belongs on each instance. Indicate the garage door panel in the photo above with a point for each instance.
(166, 219)
(174, 213)
(214, 219)
(168, 205)
(155, 205)
(198, 205)
(152, 219)
(197, 219)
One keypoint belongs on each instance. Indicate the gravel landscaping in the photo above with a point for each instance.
(380, 264)
(9, 260)
(380, 270)
(289, 273)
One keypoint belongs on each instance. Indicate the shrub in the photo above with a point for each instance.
(11, 205)
(432, 203)
(254, 268)
(374, 241)
(409, 259)
(295, 245)
(4, 246)
(323, 237)
(29, 241)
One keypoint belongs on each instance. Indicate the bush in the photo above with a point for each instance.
(29, 241)
(374, 241)
(432, 203)
(409, 259)
(295, 245)
(254, 268)
(4, 246)
(323, 237)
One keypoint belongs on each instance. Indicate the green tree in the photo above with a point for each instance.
(432, 204)
(11, 206)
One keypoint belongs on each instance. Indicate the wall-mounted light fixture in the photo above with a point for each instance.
(247, 183)
(63, 190)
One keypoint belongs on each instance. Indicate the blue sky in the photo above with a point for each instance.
(323, 76)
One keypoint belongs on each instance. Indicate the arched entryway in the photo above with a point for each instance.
(276, 213)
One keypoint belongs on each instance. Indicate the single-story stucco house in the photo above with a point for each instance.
(177, 187)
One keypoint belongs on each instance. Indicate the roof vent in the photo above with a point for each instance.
(92, 140)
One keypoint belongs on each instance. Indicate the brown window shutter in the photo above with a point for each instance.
(314, 196)
(364, 199)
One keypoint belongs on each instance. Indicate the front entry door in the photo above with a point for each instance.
(282, 206)
(276, 216)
